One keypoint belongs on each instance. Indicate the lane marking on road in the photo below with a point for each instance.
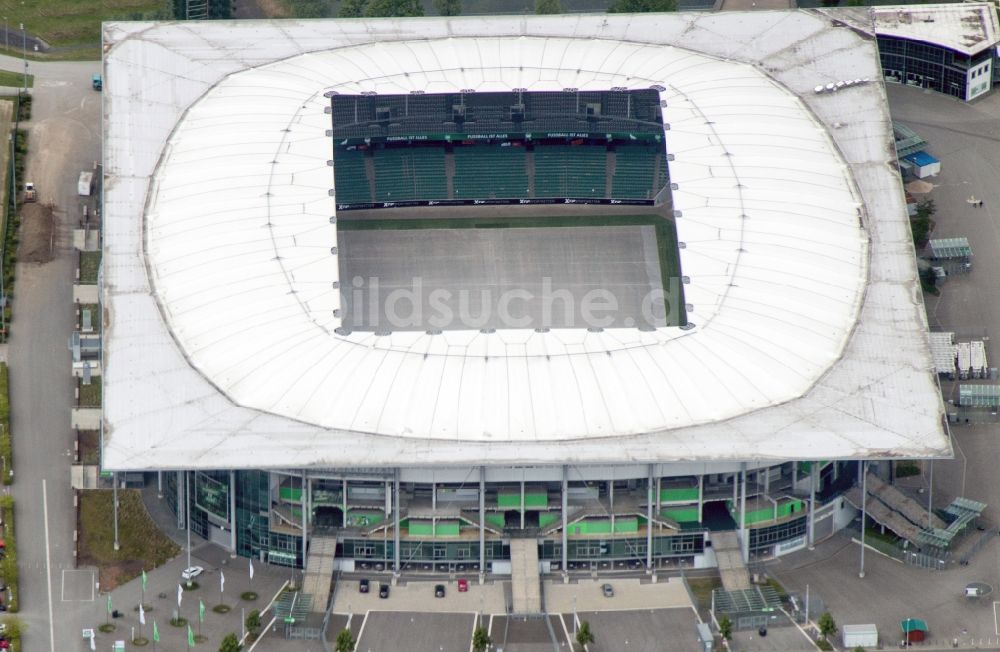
(489, 629)
(566, 631)
(996, 627)
(48, 565)
(363, 623)
(475, 623)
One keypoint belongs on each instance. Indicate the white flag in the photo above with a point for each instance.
(251, 569)
(142, 615)
(180, 592)
(222, 582)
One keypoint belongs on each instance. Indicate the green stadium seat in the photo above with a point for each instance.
(570, 171)
(350, 180)
(490, 172)
(407, 174)
(635, 168)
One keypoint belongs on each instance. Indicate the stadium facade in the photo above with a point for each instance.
(260, 174)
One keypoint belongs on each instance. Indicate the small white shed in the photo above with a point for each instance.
(863, 635)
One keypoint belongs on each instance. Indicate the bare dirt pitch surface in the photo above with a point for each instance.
(37, 233)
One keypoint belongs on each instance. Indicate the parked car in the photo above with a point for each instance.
(608, 590)
(383, 591)
(439, 591)
(463, 585)
(192, 572)
(363, 585)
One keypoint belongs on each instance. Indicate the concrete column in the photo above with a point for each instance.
(395, 514)
(522, 499)
(795, 475)
(767, 480)
(649, 520)
(482, 522)
(434, 498)
(736, 489)
(181, 506)
(812, 505)
(701, 497)
(611, 499)
(343, 513)
(930, 496)
(159, 484)
(744, 537)
(864, 501)
(565, 518)
(659, 499)
(304, 500)
(232, 512)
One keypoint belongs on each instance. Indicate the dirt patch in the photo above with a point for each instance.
(37, 229)
(919, 187)
(90, 446)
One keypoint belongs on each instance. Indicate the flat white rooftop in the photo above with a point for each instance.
(966, 27)
(222, 347)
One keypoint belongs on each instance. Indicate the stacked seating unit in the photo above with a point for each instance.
(570, 171)
(412, 173)
(637, 175)
(490, 171)
(350, 180)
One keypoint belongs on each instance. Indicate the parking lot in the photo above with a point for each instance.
(648, 630)
(629, 593)
(419, 596)
(414, 630)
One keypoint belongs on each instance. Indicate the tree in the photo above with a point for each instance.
(480, 639)
(583, 635)
(352, 9)
(230, 644)
(448, 7)
(642, 6)
(726, 628)
(543, 7)
(253, 621)
(826, 625)
(393, 8)
(345, 641)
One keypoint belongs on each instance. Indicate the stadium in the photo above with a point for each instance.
(450, 294)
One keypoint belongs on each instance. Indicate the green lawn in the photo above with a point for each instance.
(702, 587)
(62, 23)
(15, 79)
(90, 395)
(142, 544)
(90, 261)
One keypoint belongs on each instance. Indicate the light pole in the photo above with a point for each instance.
(187, 512)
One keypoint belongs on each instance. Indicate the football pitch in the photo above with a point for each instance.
(485, 273)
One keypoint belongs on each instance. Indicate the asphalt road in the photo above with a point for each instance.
(64, 139)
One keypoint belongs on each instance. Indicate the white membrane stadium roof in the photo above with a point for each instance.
(220, 350)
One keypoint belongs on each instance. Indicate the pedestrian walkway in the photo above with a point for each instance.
(319, 571)
(526, 592)
(729, 557)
